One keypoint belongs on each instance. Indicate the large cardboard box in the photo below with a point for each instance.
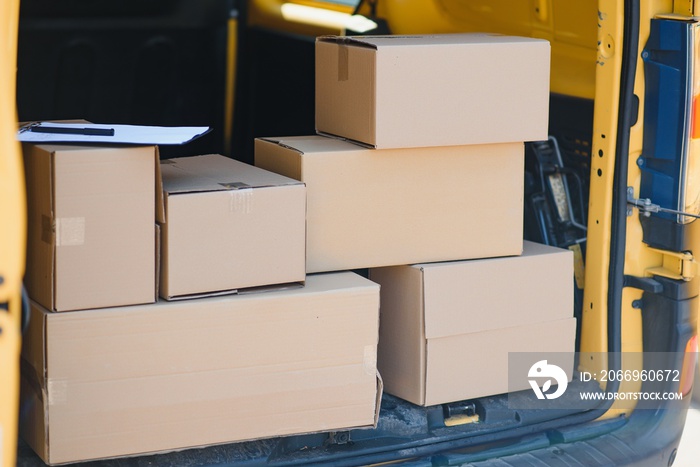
(91, 225)
(433, 90)
(171, 375)
(370, 208)
(447, 328)
(227, 225)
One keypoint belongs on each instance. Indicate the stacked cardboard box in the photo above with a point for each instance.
(436, 90)
(227, 225)
(432, 173)
(380, 207)
(447, 328)
(420, 160)
(117, 373)
(171, 375)
(91, 225)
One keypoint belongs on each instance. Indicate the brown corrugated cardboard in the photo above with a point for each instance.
(434, 90)
(447, 328)
(229, 225)
(539, 286)
(131, 380)
(370, 208)
(91, 225)
(483, 371)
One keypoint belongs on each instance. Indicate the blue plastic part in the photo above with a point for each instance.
(668, 78)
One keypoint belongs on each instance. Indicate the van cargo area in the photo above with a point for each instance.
(407, 211)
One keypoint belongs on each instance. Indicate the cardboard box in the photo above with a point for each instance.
(91, 225)
(370, 208)
(171, 375)
(447, 328)
(229, 225)
(435, 90)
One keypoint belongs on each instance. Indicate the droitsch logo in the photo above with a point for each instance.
(553, 373)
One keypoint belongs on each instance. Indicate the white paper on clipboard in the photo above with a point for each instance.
(122, 134)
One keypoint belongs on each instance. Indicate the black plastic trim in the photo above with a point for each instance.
(667, 234)
(626, 118)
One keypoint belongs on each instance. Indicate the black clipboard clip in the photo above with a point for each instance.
(37, 127)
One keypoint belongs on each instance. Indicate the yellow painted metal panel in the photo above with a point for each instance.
(594, 332)
(686, 7)
(573, 39)
(639, 258)
(12, 235)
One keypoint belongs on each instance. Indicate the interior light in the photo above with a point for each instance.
(326, 18)
(360, 23)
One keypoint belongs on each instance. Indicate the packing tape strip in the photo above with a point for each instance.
(46, 229)
(241, 200)
(235, 185)
(369, 362)
(343, 59)
(70, 231)
(30, 377)
(57, 392)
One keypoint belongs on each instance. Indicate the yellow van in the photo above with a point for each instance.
(617, 183)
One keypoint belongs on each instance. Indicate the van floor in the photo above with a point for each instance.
(402, 425)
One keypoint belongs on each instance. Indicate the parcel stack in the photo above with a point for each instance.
(240, 345)
(417, 174)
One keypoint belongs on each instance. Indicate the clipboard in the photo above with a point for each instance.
(56, 132)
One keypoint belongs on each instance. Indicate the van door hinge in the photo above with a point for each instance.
(675, 265)
(646, 207)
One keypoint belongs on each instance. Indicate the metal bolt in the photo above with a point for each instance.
(640, 162)
(339, 437)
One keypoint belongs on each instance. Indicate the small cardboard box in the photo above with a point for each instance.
(171, 375)
(227, 225)
(434, 90)
(91, 225)
(447, 328)
(370, 208)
